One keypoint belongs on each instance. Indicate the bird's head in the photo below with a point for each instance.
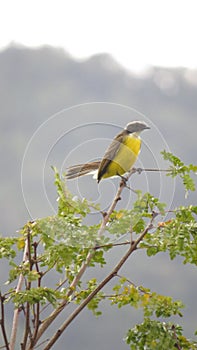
(136, 126)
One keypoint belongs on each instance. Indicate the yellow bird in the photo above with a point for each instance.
(119, 157)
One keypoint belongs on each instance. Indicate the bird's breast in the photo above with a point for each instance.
(125, 157)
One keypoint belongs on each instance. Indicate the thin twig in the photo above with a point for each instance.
(27, 313)
(140, 170)
(17, 311)
(57, 288)
(43, 342)
(37, 312)
(134, 285)
(109, 245)
(2, 322)
(177, 345)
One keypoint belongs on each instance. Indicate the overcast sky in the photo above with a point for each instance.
(137, 33)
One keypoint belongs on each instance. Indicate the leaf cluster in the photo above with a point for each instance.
(42, 295)
(178, 236)
(135, 219)
(7, 247)
(151, 303)
(83, 294)
(152, 334)
(178, 168)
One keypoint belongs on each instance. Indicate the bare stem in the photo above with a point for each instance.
(110, 245)
(17, 311)
(177, 345)
(2, 323)
(28, 287)
(140, 170)
(37, 310)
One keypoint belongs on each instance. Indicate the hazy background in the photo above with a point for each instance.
(59, 109)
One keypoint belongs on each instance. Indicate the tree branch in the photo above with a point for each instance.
(2, 322)
(110, 245)
(37, 311)
(28, 287)
(140, 170)
(17, 311)
(176, 338)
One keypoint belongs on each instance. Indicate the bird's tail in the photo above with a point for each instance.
(82, 169)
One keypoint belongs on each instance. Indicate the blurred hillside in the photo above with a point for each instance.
(35, 84)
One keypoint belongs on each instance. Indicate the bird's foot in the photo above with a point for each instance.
(124, 179)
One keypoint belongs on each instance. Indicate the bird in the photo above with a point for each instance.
(119, 157)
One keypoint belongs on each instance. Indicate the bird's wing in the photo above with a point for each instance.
(110, 153)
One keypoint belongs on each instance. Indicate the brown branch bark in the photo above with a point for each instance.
(36, 320)
(177, 345)
(2, 323)
(17, 311)
(110, 245)
(28, 287)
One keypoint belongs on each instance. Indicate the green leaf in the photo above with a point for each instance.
(6, 247)
(157, 335)
(151, 303)
(135, 220)
(37, 295)
(69, 204)
(94, 303)
(178, 236)
(179, 168)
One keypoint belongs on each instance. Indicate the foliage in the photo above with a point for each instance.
(182, 170)
(178, 236)
(6, 247)
(158, 335)
(135, 219)
(65, 244)
(151, 303)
